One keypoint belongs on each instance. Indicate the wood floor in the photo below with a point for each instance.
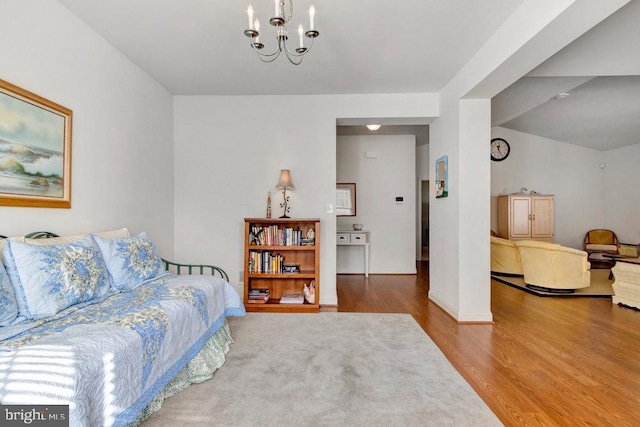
(544, 361)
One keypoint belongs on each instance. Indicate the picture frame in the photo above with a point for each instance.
(346, 199)
(442, 177)
(35, 150)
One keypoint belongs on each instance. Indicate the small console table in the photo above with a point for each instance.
(356, 238)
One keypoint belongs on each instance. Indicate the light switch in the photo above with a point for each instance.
(329, 208)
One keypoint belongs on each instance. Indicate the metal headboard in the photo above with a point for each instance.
(40, 235)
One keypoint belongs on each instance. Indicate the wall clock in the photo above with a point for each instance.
(500, 149)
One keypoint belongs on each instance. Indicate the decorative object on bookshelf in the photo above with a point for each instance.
(293, 268)
(269, 205)
(277, 259)
(310, 235)
(292, 299)
(309, 292)
(283, 184)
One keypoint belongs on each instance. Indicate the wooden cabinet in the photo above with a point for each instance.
(523, 217)
(281, 256)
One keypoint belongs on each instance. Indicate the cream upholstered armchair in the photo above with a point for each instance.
(553, 267)
(505, 258)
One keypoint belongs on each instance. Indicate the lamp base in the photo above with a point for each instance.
(285, 216)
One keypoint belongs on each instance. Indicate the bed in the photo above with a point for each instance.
(116, 356)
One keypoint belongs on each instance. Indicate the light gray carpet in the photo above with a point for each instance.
(329, 369)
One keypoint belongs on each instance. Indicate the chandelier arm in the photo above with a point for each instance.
(265, 58)
(297, 55)
(292, 58)
(275, 53)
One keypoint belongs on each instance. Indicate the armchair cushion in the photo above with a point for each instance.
(591, 247)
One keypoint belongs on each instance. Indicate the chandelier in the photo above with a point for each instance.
(280, 21)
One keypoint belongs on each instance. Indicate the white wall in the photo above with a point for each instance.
(570, 172)
(228, 154)
(122, 169)
(622, 193)
(378, 182)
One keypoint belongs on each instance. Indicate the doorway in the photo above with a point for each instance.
(424, 220)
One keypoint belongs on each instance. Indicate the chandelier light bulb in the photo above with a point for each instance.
(312, 15)
(257, 28)
(250, 14)
(277, 6)
(300, 31)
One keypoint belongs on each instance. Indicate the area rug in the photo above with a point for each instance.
(600, 286)
(329, 369)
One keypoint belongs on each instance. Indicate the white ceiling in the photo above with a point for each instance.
(197, 47)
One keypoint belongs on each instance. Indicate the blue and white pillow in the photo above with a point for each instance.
(8, 304)
(131, 261)
(54, 277)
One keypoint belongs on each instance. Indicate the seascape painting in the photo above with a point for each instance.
(34, 150)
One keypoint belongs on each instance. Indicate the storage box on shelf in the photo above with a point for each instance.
(272, 247)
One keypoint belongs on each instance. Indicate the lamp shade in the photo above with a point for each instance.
(285, 180)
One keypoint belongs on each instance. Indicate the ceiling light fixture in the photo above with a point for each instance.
(280, 21)
(373, 127)
(560, 96)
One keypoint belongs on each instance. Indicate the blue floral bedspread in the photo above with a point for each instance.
(108, 359)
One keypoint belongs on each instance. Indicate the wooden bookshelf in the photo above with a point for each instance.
(270, 244)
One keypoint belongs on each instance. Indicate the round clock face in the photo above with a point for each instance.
(499, 149)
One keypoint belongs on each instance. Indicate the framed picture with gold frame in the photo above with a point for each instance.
(35, 150)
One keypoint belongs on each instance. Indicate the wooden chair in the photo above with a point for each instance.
(598, 242)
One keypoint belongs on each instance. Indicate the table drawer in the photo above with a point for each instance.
(343, 238)
(358, 238)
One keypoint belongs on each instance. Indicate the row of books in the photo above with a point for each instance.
(275, 236)
(265, 262)
(258, 296)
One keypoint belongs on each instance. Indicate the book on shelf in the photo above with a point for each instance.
(292, 298)
(258, 296)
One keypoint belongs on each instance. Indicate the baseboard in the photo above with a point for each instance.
(461, 318)
(328, 308)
